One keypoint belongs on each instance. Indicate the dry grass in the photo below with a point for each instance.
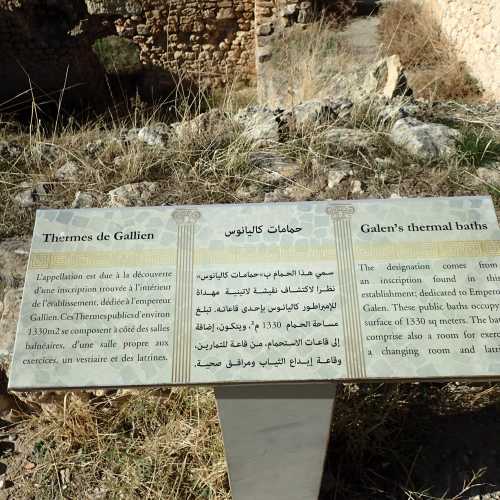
(312, 62)
(133, 444)
(166, 444)
(407, 29)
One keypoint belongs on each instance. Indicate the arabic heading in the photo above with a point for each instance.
(259, 229)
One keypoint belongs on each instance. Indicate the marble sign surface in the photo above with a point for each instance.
(351, 290)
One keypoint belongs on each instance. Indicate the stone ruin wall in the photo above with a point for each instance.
(209, 41)
(272, 17)
(473, 27)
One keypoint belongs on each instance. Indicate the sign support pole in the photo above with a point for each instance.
(275, 438)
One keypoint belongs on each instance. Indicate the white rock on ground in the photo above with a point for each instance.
(274, 167)
(8, 322)
(83, 200)
(489, 175)
(356, 187)
(427, 141)
(387, 78)
(335, 177)
(215, 118)
(154, 135)
(33, 195)
(71, 171)
(132, 195)
(318, 111)
(14, 254)
(260, 124)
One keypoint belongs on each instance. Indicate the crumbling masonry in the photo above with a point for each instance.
(47, 44)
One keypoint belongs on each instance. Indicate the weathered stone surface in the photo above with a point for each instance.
(260, 124)
(210, 120)
(490, 175)
(356, 187)
(351, 138)
(387, 78)
(426, 141)
(132, 195)
(122, 7)
(335, 177)
(154, 135)
(274, 167)
(83, 200)
(71, 171)
(14, 254)
(318, 111)
(8, 322)
(32, 195)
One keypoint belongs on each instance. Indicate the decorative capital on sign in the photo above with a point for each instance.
(340, 211)
(186, 216)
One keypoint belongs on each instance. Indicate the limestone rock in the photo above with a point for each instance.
(132, 195)
(154, 135)
(83, 200)
(248, 193)
(293, 192)
(356, 187)
(8, 322)
(14, 254)
(335, 177)
(32, 195)
(351, 138)
(215, 118)
(114, 7)
(387, 78)
(69, 172)
(318, 111)
(260, 124)
(274, 167)
(426, 141)
(489, 175)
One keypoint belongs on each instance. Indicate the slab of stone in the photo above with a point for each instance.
(426, 141)
(71, 171)
(260, 125)
(387, 78)
(132, 195)
(83, 200)
(154, 135)
(399, 289)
